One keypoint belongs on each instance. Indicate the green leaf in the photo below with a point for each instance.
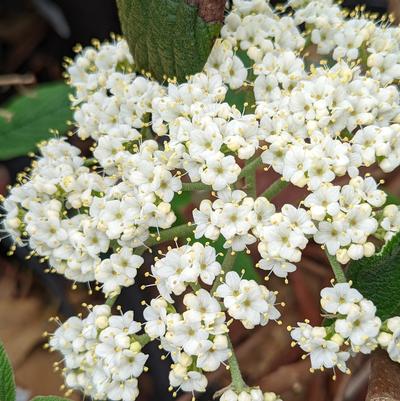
(392, 199)
(49, 398)
(7, 384)
(246, 263)
(30, 118)
(378, 278)
(238, 97)
(167, 37)
(178, 205)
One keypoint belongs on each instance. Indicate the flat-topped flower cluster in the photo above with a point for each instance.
(311, 121)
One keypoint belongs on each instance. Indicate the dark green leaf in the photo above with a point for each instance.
(179, 204)
(246, 263)
(48, 398)
(7, 385)
(378, 278)
(392, 199)
(167, 37)
(238, 97)
(31, 117)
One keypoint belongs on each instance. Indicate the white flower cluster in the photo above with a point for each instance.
(93, 218)
(376, 44)
(346, 217)
(352, 327)
(332, 122)
(86, 223)
(102, 355)
(241, 220)
(183, 266)
(251, 303)
(197, 338)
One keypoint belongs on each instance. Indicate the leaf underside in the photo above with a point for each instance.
(166, 37)
(378, 278)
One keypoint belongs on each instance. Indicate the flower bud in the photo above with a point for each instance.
(101, 322)
(135, 347)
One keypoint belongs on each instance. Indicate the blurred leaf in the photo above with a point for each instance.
(49, 398)
(7, 385)
(378, 278)
(392, 199)
(31, 117)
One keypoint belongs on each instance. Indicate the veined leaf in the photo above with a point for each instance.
(7, 385)
(30, 117)
(167, 37)
(378, 278)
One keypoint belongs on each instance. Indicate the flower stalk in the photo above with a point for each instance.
(336, 268)
(238, 382)
(275, 188)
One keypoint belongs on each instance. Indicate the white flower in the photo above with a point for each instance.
(220, 171)
(205, 262)
(247, 301)
(361, 326)
(118, 271)
(156, 317)
(280, 267)
(334, 235)
(340, 298)
(391, 221)
(214, 354)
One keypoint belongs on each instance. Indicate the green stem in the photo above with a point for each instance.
(275, 188)
(250, 176)
(195, 186)
(195, 286)
(90, 162)
(146, 131)
(237, 379)
(111, 301)
(143, 339)
(251, 166)
(140, 250)
(183, 230)
(227, 265)
(336, 268)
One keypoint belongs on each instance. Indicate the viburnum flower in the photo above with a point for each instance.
(258, 103)
(247, 301)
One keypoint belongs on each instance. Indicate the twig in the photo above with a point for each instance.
(17, 79)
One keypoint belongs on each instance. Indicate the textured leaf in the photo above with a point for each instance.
(167, 37)
(31, 117)
(378, 278)
(7, 385)
(48, 398)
